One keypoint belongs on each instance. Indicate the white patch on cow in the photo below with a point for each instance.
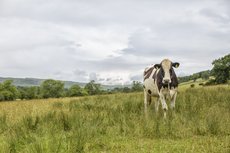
(166, 65)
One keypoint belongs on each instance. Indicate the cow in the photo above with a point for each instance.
(160, 81)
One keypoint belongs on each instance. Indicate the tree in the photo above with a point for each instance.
(29, 92)
(137, 86)
(93, 88)
(221, 69)
(8, 91)
(195, 76)
(75, 90)
(52, 89)
(126, 89)
(205, 74)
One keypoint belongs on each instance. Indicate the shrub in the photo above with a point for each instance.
(210, 82)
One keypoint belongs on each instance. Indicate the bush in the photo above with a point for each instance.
(221, 69)
(52, 89)
(8, 91)
(210, 82)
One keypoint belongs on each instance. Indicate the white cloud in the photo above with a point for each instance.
(109, 41)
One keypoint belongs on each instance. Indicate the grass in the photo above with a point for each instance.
(186, 85)
(116, 123)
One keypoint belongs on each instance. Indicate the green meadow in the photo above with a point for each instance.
(117, 123)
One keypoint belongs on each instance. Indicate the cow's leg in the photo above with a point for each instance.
(157, 104)
(164, 104)
(173, 100)
(149, 99)
(145, 101)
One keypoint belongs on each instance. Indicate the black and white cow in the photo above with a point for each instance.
(161, 81)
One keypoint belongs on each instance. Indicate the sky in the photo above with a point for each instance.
(110, 41)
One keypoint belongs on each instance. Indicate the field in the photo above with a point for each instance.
(116, 123)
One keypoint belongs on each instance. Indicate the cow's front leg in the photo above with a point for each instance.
(173, 101)
(164, 104)
(173, 94)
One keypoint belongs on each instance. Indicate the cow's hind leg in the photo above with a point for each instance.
(157, 103)
(149, 99)
(145, 102)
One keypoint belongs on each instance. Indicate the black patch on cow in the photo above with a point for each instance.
(159, 78)
(150, 92)
(174, 81)
(154, 76)
(148, 73)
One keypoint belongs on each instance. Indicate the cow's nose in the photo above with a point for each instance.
(166, 81)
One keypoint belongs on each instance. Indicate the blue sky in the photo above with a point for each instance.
(110, 41)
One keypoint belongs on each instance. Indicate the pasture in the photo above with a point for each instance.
(116, 123)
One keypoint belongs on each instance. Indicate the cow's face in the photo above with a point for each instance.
(166, 70)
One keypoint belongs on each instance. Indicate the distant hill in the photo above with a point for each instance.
(37, 82)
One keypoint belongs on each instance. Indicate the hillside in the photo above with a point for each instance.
(37, 82)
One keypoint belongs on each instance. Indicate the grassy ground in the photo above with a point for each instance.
(116, 123)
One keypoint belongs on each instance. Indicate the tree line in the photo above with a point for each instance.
(55, 89)
(220, 72)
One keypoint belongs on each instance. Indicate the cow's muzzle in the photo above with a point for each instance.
(166, 81)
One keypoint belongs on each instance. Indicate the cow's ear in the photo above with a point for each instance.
(157, 66)
(176, 64)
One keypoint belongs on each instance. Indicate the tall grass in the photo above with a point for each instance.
(116, 123)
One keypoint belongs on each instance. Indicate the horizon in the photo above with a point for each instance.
(81, 41)
(130, 83)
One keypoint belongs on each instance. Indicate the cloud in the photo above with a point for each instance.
(216, 17)
(109, 41)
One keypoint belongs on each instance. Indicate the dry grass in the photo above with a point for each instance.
(16, 110)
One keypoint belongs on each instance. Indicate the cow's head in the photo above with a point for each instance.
(166, 69)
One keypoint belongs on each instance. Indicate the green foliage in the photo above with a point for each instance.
(210, 82)
(205, 75)
(8, 91)
(29, 92)
(195, 76)
(137, 86)
(126, 90)
(52, 89)
(221, 69)
(121, 89)
(93, 88)
(76, 90)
